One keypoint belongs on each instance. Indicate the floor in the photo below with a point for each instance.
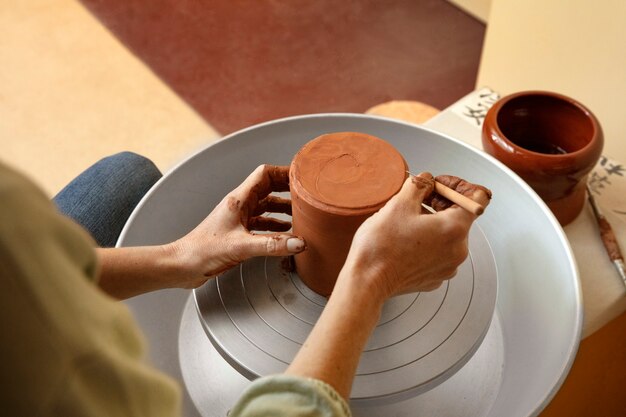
(71, 93)
(595, 384)
(238, 63)
(82, 80)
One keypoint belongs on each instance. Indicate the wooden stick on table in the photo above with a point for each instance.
(608, 237)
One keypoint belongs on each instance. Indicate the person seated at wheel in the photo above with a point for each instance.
(71, 349)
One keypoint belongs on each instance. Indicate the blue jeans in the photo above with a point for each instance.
(102, 198)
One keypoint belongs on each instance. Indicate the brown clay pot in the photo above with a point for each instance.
(551, 141)
(337, 181)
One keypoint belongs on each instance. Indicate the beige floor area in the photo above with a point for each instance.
(71, 94)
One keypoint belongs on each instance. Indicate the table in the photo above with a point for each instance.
(604, 295)
(593, 386)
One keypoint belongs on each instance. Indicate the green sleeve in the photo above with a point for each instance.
(290, 396)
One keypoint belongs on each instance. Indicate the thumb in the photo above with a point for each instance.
(275, 244)
(417, 188)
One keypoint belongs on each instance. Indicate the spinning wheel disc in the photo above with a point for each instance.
(533, 336)
(259, 314)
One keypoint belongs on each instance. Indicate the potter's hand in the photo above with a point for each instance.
(397, 250)
(473, 191)
(400, 249)
(224, 238)
(221, 241)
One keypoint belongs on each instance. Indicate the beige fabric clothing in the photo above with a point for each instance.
(67, 349)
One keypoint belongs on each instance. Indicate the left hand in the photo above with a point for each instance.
(225, 238)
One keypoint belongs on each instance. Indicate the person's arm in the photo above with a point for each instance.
(221, 241)
(397, 250)
(332, 350)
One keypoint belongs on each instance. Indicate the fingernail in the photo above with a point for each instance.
(295, 245)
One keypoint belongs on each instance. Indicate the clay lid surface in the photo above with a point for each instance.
(347, 171)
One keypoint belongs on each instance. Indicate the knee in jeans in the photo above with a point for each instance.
(137, 163)
(132, 158)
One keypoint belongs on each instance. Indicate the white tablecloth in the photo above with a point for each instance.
(604, 293)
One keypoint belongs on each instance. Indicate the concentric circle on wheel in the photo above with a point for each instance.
(259, 314)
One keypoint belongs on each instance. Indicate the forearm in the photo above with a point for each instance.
(126, 272)
(332, 351)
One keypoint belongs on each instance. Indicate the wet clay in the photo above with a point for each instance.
(336, 181)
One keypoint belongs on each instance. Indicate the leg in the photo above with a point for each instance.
(102, 198)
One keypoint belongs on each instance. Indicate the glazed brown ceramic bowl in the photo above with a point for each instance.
(337, 181)
(551, 141)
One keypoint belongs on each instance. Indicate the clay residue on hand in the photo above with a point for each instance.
(233, 204)
(279, 176)
(458, 184)
(428, 182)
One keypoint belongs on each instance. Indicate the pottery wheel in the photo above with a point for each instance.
(259, 314)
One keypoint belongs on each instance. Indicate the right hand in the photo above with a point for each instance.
(397, 250)
(400, 249)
